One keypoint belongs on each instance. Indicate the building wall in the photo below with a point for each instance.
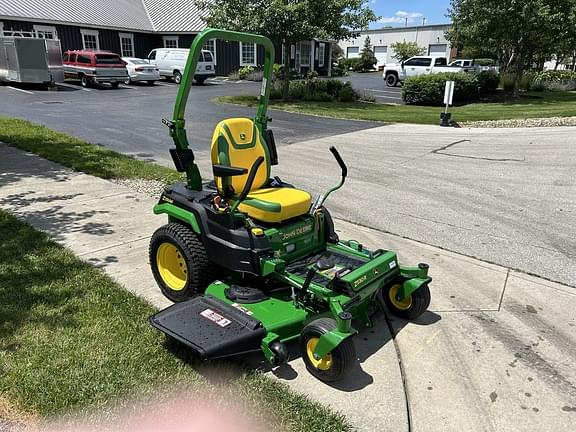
(427, 37)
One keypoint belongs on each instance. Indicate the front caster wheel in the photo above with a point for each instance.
(179, 262)
(334, 365)
(410, 307)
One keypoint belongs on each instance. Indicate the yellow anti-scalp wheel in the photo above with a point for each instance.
(179, 262)
(334, 365)
(410, 307)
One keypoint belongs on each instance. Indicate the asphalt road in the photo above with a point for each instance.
(373, 84)
(128, 119)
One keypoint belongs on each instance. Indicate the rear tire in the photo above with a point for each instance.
(177, 77)
(128, 81)
(151, 83)
(179, 262)
(391, 80)
(114, 84)
(200, 81)
(85, 81)
(409, 308)
(334, 365)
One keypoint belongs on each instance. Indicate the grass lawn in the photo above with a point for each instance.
(71, 338)
(78, 154)
(529, 105)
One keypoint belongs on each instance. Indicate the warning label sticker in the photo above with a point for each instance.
(242, 308)
(215, 317)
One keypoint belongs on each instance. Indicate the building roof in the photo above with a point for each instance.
(165, 16)
(410, 28)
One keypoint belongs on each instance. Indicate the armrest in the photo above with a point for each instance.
(227, 171)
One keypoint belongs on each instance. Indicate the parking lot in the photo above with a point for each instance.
(373, 83)
(128, 119)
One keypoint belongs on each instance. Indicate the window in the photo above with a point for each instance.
(127, 44)
(207, 57)
(247, 54)
(108, 59)
(170, 41)
(211, 46)
(292, 52)
(90, 39)
(351, 52)
(1, 28)
(152, 55)
(45, 32)
(418, 61)
(321, 54)
(305, 51)
(83, 59)
(66, 57)
(440, 62)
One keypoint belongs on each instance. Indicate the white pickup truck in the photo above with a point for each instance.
(419, 65)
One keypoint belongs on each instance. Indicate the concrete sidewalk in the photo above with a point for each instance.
(496, 351)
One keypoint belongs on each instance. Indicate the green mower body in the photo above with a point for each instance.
(241, 284)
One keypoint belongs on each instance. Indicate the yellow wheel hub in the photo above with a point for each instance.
(171, 266)
(323, 363)
(399, 304)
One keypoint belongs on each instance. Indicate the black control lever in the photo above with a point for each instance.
(307, 282)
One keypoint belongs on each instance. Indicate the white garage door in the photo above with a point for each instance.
(351, 52)
(381, 53)
(437, 50)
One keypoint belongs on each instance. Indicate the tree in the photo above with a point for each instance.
(367, 58)
(337, 51)
(518, 32)
(287, 22)
(405, 50)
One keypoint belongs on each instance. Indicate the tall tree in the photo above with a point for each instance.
(289, 21)
(405, 50)
(367, 58)
(518, 31)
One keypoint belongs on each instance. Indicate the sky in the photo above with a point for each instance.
(396, 13)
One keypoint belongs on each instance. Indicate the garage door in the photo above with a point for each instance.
(437, 50)
(351, 52)
(381, 53)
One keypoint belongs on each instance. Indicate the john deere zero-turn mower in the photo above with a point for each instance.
(253, 263)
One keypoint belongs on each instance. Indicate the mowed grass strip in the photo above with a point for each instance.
(77, 154)
(71, 338)
(529, 105)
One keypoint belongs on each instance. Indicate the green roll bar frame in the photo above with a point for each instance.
(177, 126)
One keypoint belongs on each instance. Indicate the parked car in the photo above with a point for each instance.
(140, 70)
(91, 67)
(419, 65)
(172, 61)
(470, 65)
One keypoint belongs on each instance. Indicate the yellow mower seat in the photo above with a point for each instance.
(237, 143)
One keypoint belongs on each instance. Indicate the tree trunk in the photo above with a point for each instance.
(286, 80)
(518, 75)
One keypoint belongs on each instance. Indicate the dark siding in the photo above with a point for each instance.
(185, 40)
(109, 40)
(227, 57)
(70, 37)
(144, 43)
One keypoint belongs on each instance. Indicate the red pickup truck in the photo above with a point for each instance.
(91, 67)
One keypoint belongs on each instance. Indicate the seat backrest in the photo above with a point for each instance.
(237, 142)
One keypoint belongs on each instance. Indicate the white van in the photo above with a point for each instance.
(172, 61)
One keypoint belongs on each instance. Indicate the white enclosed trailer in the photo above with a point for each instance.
(28, 59)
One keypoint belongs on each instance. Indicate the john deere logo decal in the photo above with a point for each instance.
(242, 136)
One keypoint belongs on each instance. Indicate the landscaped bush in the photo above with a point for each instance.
(488, 81)
(243, 72)
(484, 62)
(563, 80)
(347, 64)
(318, 90)
(429, 89)
(278, 71)
(507, 82)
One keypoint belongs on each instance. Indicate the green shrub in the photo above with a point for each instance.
(322, 90)
(429, 89)
(278, 70)
(347, 64)
(488, 81)
(527, 81)
(243, 72)
(311, 74)
(484, 62)
(507, 82)
(563, 80)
